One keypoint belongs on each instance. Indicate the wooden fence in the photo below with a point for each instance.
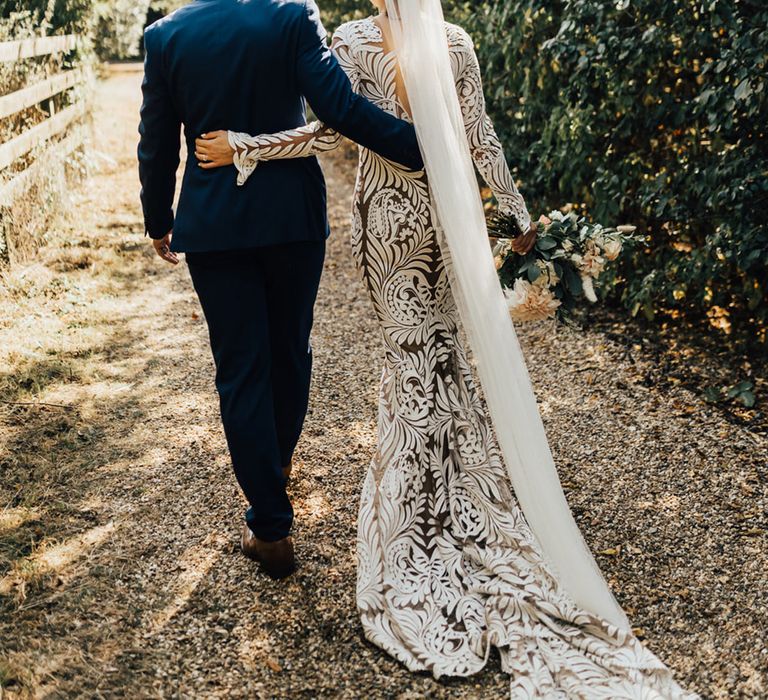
(56, 125)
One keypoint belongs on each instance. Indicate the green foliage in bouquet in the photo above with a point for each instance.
(561, 271)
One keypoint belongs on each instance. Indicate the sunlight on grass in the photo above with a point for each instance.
(26, 281)
(52, 558)
(12, 518)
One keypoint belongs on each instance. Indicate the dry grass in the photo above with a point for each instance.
(119, 570)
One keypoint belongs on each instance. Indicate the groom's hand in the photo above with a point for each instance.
(162, 247)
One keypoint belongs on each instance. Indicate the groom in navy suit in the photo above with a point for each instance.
(255, 253)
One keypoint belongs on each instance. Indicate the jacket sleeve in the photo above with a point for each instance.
(328, 90)
(159, 145)
(310, 140)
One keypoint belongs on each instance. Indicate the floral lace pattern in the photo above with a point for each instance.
(296, 143)
(447, 565)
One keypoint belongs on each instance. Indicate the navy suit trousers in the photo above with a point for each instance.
(258, 304)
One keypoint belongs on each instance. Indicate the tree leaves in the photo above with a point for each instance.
(640, 111)
(655, 113)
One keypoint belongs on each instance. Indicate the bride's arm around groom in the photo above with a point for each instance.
(328, 90)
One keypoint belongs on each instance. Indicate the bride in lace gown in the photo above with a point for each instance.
(448, 566)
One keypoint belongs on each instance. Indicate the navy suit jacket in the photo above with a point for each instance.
(247, 65)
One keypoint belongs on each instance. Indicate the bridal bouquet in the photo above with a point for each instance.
(563, 267)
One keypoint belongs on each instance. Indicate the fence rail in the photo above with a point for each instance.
(23, 144)
(28, 97)
(32, 48)
(61, 124)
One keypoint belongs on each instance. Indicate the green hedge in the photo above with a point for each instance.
(114, 26)
(50, 16)
(120, 27)
(647, 112)
(336, 12)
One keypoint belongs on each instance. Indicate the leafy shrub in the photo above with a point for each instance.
(115, 26)
(160, 8)
(650, 112)
(336, 13)
(119, 27)
(646, 112)
(51, 16)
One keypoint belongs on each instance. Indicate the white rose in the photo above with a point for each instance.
(612, 249)
(591, 263)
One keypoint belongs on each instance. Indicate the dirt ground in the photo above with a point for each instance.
(120, 574)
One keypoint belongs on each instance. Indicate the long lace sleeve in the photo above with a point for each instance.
(309, 140)
(302, 142)
(486, 148)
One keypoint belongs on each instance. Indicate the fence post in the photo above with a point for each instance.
(59, 125)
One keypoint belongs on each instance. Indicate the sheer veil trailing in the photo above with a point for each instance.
(422, 48)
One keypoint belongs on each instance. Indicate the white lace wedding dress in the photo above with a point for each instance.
(447, 565)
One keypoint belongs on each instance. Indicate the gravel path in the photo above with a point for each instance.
(119, 569)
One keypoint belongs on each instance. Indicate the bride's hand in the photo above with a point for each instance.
(213, 150)
(522, 245)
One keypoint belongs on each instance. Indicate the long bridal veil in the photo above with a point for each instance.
(422, 48)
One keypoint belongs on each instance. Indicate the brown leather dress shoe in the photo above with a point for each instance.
(276, 558)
